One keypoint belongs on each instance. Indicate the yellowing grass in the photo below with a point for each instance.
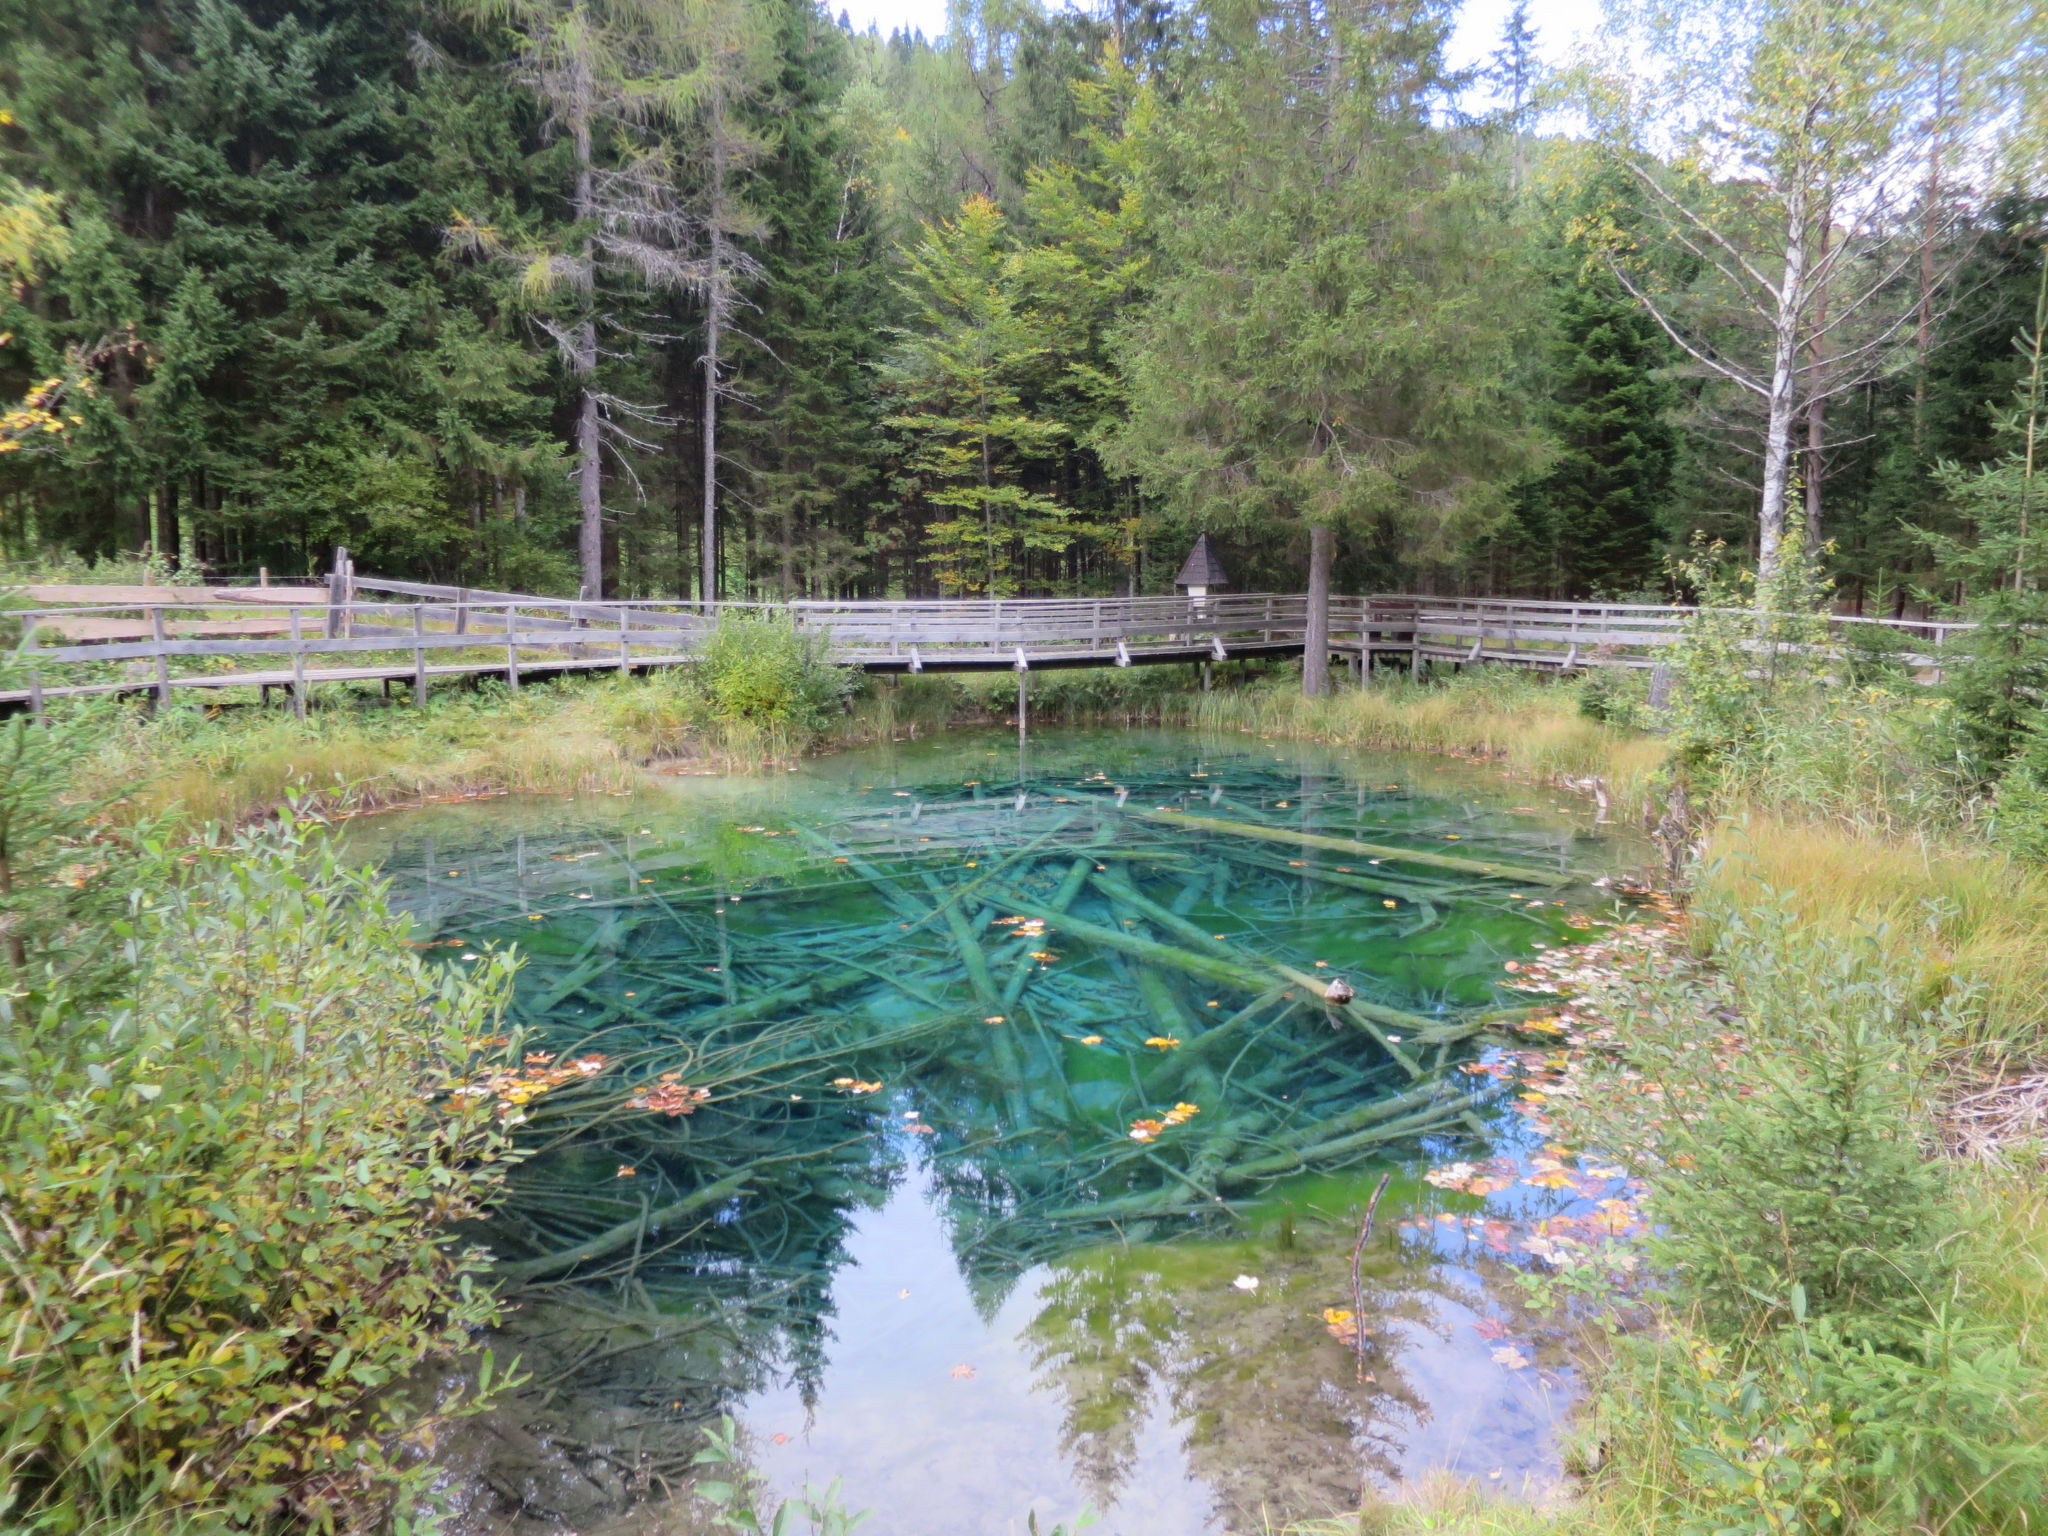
(228, 769)
(1961, 914)
(1530, 725)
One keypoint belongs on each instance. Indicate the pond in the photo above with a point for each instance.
(975, 1128)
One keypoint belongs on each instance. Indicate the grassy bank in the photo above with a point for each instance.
(1530, 727)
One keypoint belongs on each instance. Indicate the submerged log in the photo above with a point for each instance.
(612, 1240)
(1243, 963)
(1492, 869)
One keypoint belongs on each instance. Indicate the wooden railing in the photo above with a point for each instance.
(358, 628)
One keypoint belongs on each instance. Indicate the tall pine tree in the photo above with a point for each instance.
(1324, 350)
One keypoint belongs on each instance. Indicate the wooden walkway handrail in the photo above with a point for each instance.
(386, 630)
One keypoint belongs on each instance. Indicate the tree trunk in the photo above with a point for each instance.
(708, 580)
(1315, 654)
(171, 546)
(1816, 444)
(1813, 465)
(589, 468)
(714, 320)
(1782, 400)
(589, 463)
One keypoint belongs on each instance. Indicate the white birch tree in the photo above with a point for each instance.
(1793, 231)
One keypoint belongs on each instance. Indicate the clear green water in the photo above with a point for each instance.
(970, 1292)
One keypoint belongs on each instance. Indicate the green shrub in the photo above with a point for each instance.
(1822, 1364)
(1742, 655)
(228, 1179)
(1813, 1431)
(1800, 1160)
(758, 687)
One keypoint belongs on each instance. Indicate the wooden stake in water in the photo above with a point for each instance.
(1357, 1285)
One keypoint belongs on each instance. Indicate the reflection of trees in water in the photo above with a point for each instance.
(1274, 1418)
(760, 967)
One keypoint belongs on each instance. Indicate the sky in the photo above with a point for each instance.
(1559, 23)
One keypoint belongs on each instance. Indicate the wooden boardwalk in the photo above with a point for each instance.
(359, 629)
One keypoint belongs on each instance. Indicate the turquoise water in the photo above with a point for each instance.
(1044, 1158)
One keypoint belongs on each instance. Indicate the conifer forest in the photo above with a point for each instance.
(724, 297)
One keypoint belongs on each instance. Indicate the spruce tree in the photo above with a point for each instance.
(1326, 342)
(1598, 506)
(804, 433)
(957, 384)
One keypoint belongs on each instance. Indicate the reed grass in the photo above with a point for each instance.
(2006, 1211)
(230, 767)
(1531, 726)
(1439, 1504)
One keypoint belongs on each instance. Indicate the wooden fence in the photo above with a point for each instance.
(357, 629)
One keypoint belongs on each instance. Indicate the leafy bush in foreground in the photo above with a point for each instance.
(226, 1184)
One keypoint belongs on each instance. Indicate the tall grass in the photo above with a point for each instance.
(226, 768)
(1532, 726)
(1964, 918)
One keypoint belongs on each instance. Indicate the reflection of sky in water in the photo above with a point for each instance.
(905, 1433)
(968, 1455)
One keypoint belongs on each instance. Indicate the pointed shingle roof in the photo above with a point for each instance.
(1203, 569)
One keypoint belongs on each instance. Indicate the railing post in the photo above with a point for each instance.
(625, 657)
(299, 664)
(35, 693)
(462, 610)
(334, 590)
(419, 655)
(511, 650)
(163, 665)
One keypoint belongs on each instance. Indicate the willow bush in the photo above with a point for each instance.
(228, 1174)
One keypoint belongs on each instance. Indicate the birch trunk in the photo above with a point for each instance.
(1782, 400)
